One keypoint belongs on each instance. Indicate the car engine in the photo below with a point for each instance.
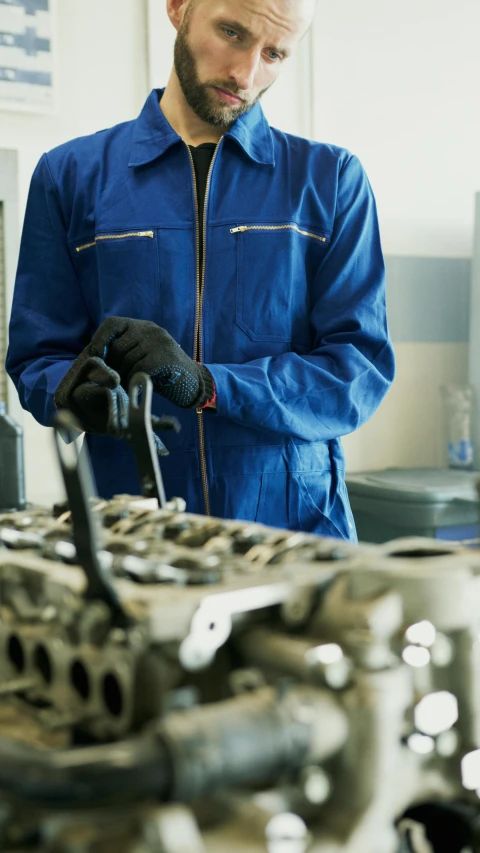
(172, 683)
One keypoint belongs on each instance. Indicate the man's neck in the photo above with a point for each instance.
(181, 117)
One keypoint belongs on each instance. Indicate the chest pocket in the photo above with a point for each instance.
(118, 272)
(276, 266)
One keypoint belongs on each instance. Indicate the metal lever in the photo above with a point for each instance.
(79, 486)
(140, 435)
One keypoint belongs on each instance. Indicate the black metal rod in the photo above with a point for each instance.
(140, 435)
(79, 486)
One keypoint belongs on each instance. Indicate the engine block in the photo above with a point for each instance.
(263, 690)
(172, 683)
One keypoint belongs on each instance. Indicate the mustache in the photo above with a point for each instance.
(227, 87)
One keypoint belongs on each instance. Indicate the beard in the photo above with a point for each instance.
(199, 96)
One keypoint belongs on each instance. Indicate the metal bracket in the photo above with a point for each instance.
(79, 486)
(141, 437)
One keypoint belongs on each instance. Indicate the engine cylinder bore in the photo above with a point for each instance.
(16, 652)
(80, 679)
(43, 663)
(112, 694)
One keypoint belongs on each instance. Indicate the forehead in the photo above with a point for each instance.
(281, 20)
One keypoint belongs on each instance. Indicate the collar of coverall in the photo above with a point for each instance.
(153, 135)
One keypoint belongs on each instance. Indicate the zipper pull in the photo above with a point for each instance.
(239, 229)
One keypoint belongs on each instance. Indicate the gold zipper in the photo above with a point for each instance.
(242, 228)
(197, 261)
(115, 237)
(197, 341)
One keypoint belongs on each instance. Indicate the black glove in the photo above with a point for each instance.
(92, 392)
(129, 346)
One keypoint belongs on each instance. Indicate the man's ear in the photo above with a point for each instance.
(176, 11)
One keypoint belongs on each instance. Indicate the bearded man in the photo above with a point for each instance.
(239, 266)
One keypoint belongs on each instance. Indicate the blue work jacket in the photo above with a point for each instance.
(288, 315)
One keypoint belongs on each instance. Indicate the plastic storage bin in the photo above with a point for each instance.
(439, 503)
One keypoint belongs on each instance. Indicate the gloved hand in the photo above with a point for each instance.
(129, 346)
(92, 392)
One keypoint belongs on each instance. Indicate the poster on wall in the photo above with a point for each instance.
(27, 79)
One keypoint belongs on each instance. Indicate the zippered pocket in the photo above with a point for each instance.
(277, 266)
(240, 229)
(126, 235)
(118, 273)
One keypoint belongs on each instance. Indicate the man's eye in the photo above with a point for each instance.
(273, 55)
(230, 33)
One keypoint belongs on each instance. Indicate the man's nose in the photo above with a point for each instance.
(244, 71)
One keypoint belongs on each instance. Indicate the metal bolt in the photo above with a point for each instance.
(118, 636)
(443, 651)
(421, 744)
(330, 663)
(135, 639)
(176, 505)
(447, 743)
(337, 675)
(316, 785)
(49, 613)
(436, 713)
(286, 833)
(296, 609)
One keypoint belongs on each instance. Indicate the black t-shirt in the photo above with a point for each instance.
(202, 159)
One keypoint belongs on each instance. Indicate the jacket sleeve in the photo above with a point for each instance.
(338, 385)
(49, 318)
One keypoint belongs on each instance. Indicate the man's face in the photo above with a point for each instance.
(229, 52)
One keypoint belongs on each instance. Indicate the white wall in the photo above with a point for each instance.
(398, 84)
(409, 429)
(102, 74)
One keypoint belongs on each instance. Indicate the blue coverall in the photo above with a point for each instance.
(288, 315)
